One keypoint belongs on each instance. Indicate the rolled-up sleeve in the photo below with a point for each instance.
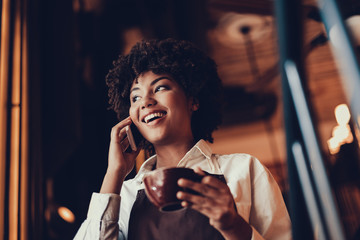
(102, 219)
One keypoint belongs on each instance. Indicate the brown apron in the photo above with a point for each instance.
(147, 222)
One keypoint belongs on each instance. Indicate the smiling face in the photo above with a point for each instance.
(160, 109)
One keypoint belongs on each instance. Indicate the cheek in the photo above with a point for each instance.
(132, 113)
(183, 108)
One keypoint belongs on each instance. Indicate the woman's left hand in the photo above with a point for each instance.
(216, 202)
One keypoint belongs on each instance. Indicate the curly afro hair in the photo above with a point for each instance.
(194, 71)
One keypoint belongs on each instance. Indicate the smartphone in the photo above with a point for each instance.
(134, 137)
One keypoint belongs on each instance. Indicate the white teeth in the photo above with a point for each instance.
(152, 115)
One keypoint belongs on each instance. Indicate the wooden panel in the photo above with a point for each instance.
(264, 7)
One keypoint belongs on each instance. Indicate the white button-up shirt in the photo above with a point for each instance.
(257, 196)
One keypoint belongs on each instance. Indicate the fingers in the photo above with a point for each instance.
(195, 199)
(201, 188)
(210, 198)
(119, 143)
(215, 200)
(213, 193)
(124, 143)
(212, 181)
(197, 202)
(118, 131)
(215, 208)
(209, 186)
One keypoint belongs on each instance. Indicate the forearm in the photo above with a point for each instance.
(113, 181)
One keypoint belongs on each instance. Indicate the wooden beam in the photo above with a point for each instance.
(263, 7)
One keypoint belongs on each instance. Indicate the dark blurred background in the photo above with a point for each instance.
(71, 45)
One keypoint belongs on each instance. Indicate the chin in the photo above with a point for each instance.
(155, 139)
(159, 140)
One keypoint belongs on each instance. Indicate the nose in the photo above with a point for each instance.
(148, 101)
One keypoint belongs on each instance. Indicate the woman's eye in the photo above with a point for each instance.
(161, 88)
(135, 98)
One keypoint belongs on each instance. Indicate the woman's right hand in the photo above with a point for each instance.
(120, 163)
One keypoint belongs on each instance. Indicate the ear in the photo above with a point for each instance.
(194, 104)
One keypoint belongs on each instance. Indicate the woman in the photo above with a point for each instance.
(172, 92)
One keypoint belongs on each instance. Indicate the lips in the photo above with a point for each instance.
(153, 116)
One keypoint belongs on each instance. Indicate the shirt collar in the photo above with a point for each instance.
(200, 149)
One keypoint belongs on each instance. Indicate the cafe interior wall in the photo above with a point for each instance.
(76, 42)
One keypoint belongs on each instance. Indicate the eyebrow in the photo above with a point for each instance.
(151, 84)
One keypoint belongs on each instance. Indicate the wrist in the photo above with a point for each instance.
(116, 171)
(113, 181)
(240, 229)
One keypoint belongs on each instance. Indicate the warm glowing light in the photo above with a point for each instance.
(342, 114)
(341, 133)
(333, 145)
(66, 214)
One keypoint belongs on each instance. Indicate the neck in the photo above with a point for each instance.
(169, 155)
